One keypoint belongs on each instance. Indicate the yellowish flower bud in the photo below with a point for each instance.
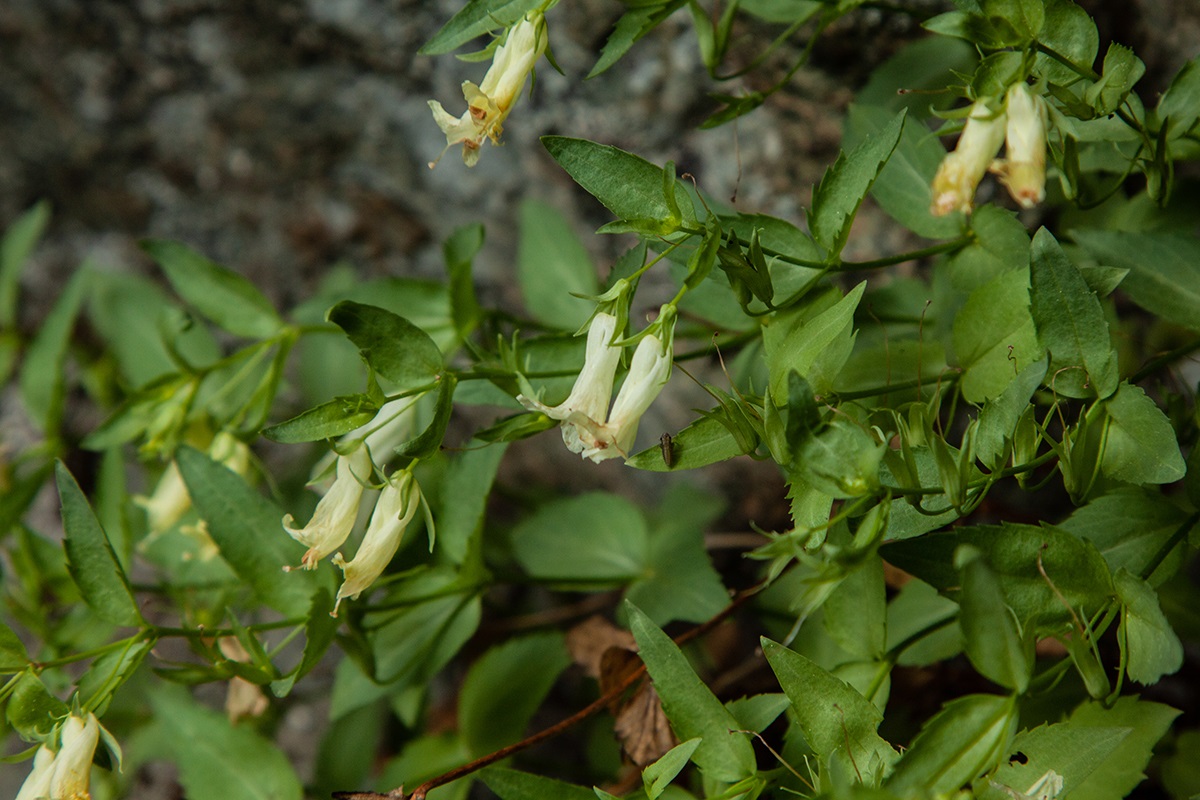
(960, 171)
(1023, 170)
(394, 510)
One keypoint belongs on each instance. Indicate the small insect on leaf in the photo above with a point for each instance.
(668, 449)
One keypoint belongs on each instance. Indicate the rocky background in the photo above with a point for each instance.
(279, 138)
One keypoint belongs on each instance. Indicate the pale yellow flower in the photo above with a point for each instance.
(960, 171)
(37, 785)
(648, 374)
(489, 103)
(64, 774)
(336, 512)
(586, 408)
(1023, 169)
(394, 510)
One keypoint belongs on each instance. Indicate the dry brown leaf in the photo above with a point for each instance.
(643, 729)
(588, 641)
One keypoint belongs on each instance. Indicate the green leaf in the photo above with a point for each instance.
(505, 687)
(1179, 107)
(835, 200)
(991, 637)
(627, 185)
(552, 267)
(658, 776)
(1141, 445)
(107, 673)
(13, 657)
(326, 421)
(465, 491)
(1025, 16)
(856, 612)
(999, 244)
(43, 373)
(90, 556)
(1164, 270)
(414, 642)
(31, 710)
(814, 345)
(1122, 69)
(475, 19)
(459, 251)
(706, 441)
(902, 188)
(429, 441)
(510, 784)
(1076, 568)
(724, 754)
(961, 742)
(995, 337)
(999, 418)
(633, 25)
(19, 240)
(1129, 527)
(1070, 32)
(1070, 323)
(841, 461)
(595, 537)
(248, 529)
(1072, 751)
(220, 294)
(836, 720)
(319, 630)
(217, 760)
(917, 608)
(393, 347)
(1152, 648)
(1116, 775)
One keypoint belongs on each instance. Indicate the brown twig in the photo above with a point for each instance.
(596, 706)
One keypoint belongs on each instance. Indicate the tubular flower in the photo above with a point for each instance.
(960, 172)
(334, 518)
(1023, 170)
(648, 374)
(488, 103)
(395, 508)
(171, 501)
(586, 408)
(64, 774)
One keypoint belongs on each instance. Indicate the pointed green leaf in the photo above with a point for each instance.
(1070, 324)
(814, 345)
(13, 657)
(836, 198)
(510, 784)
(1180, 104)
(1141, 446)
(1129, 527)
(627, 185)
(465, 492)
(724, 754)
(16, 246)
(220, 294)
(90, 557)
(43, 372)
(658, 776)
(475, 19)
(248, 529)
(326, 421)
(217, 760)
(552, 267)
(856, 611)
(1068, 30)
(995, 336)
(1152, 647)
(836, 720)
(31, 710)
(965, 739)
(107, 673)
(633, 25)
(593, 537)
(991, 637)
(706, 441)
(1116, 775)
(1164, 270)
(394, 347)
(459, 251)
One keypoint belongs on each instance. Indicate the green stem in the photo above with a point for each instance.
(1155, 364)
(203, 633)
(1083, 72)
(1178, 536)
(93, 653)
(896, 387)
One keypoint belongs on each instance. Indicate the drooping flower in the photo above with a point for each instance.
(1023, 169)
(336, 512)
(586, 408)
(170, 500)
(960, 171)
(489, 103)
(648, 374)
(64, 774)
(394, 510)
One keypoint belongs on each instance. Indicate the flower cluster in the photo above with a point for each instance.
(1021, 125)
(369, 448)
(488, 103)
(588, 426)
(64, 773)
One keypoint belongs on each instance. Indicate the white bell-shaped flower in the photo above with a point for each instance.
(648, 374)
(394, 510)
(336, 512)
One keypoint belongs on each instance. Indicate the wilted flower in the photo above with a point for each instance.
(395, 508)
(334, 518)
(648, 374)
(587, 406)
(64, 774)
(960, 171)
(243, 698)
(1023, 170)
(488, 103)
